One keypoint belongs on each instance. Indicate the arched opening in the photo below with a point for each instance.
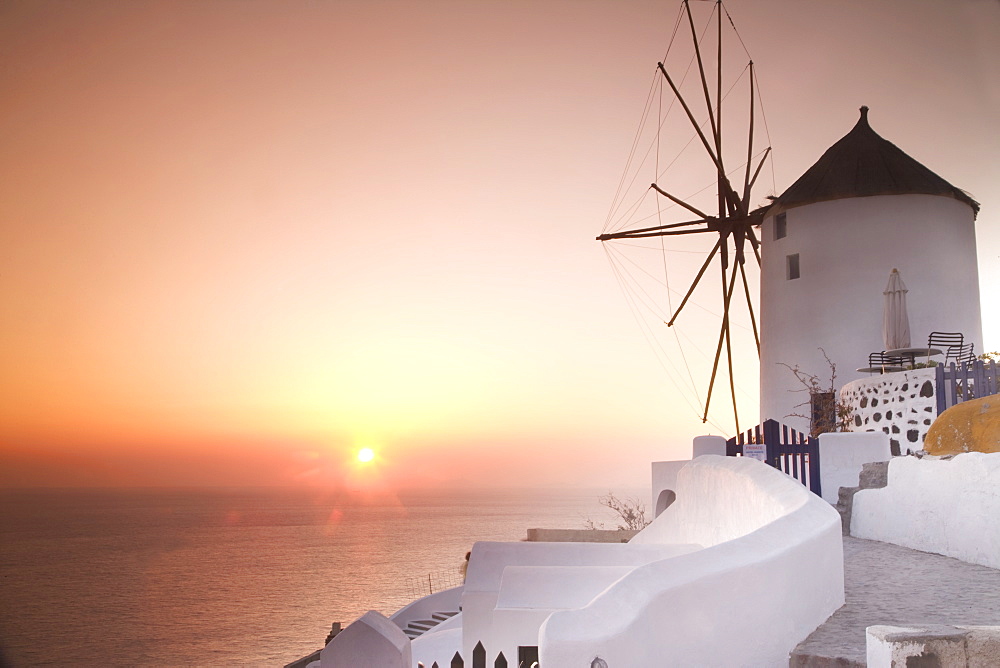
(664, 500)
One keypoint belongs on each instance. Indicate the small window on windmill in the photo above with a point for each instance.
(780, 226)
(792, 266)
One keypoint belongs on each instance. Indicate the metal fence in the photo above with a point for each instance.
(430, 583)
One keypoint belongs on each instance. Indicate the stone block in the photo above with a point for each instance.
(927, 647)
(982, 646)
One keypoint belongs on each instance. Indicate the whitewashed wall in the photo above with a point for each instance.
(371, 641)
(842, 456)
(847, 248)
(487, 581)
(440, 646)
(946, 506)
(773, 574)
(664, 483)
(529, 594)
(901, 405)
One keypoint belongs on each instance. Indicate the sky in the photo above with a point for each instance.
(243, 240)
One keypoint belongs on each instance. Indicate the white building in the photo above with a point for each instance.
(739, 549)
(765, 575)
(829, 243)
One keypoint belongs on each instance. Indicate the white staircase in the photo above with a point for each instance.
(422, 626)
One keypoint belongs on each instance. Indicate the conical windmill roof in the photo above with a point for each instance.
(863, 164)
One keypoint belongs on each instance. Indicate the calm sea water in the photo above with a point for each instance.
(232, 577)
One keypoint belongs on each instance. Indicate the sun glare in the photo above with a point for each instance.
(366, 455)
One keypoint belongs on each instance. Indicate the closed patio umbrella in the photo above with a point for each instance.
(895, 321)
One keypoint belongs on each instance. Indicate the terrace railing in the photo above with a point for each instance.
(970, 380)
(425, 585)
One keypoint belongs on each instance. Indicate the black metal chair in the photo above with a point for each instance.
(882, 363)
(960, 354)
(945, 339)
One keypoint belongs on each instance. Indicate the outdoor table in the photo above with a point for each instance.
(912, 353)
(886, 368)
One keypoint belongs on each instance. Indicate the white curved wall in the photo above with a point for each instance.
(847, 248)
(948, 507)
(774, 573)
(499, 607)
(448, 600)
(722, 498)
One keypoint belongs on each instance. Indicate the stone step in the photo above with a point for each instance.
(845, 504)
(873, 475)
(421, 626)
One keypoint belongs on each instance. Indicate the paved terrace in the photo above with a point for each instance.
(889, 584)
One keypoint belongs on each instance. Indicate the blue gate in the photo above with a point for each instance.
(783, 448)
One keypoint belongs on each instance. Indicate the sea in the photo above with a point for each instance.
(235, 577)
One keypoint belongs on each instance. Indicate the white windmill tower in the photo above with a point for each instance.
(828, 245)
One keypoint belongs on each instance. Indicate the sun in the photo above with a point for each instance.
(365, 455)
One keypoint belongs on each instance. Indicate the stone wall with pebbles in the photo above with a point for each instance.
(900, 404)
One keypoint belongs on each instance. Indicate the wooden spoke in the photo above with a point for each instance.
(723, 336)
(668, 233)
(715, 369)
(701, 70)
(723, 181)
(735, 222)
(687, 110)
(759, 165)
(676, 200)
(630, 233)
(732, 380)
(753, 320)
(728, 301)
(754, 243)
(701, 272)
(746, 177)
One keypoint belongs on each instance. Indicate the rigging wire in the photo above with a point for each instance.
(628, 163)
(658, 350)
(660, 314)
(760, 97)
(666, 273)
(640, 300)
(767, 132)
(745, 50)
(624, 221)
(626, 218)
(650, 339)
(638, 131)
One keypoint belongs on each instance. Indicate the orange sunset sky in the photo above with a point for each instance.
(242, 240)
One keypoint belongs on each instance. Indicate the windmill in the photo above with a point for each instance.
(732, 221)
